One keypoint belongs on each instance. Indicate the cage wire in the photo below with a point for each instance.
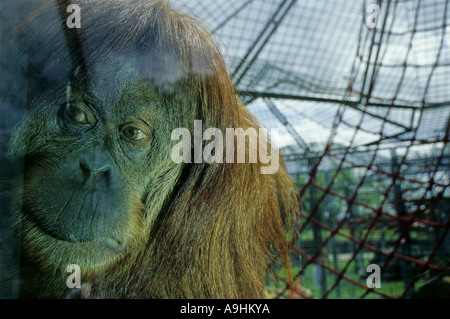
(360, 93)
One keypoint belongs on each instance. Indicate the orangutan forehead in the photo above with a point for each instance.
(120, 78)
(111, 96)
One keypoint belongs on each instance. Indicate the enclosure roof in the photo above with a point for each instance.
(320, 71)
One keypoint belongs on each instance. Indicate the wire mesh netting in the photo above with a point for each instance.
(360, 93)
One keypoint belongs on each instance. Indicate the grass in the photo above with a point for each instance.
(355, 271)
(345, 289)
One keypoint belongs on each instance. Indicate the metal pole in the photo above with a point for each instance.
(334, 244)
(262, 39)
(317, 236)
(399, 204)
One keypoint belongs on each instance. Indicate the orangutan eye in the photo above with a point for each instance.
(134, 134)
(77, 115)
